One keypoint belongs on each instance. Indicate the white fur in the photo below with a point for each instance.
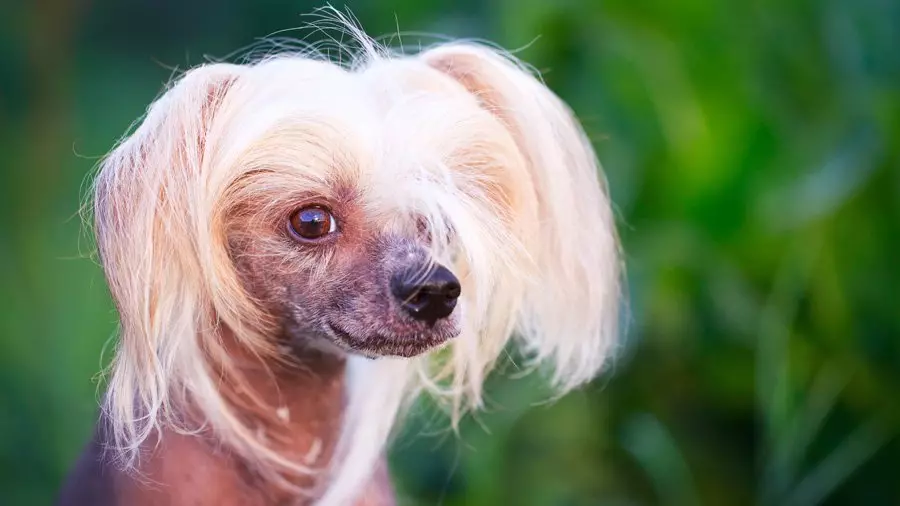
(538, 260)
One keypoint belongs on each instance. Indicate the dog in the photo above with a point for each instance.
(297, 248)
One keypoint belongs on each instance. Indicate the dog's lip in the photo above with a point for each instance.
(342, 334)
(382, 345)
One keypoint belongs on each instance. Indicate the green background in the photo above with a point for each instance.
(752, 150)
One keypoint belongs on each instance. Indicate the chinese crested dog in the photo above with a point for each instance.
(297, 248)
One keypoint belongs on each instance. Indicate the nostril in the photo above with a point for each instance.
(416, 299)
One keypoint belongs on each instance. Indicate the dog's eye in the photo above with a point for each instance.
(313, 222)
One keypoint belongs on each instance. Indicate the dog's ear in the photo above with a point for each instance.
(163, 254)
(571, 312)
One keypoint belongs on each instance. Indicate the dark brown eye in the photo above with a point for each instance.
(313, 222)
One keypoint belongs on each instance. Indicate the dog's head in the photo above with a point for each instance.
(352, 204)
(406, 203)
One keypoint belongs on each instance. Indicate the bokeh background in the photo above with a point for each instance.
(753, 154)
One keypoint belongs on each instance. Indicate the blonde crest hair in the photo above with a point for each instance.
(162, 198)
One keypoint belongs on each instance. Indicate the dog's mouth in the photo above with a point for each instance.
(380, 345)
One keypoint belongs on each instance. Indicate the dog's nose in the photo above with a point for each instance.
(428, 298)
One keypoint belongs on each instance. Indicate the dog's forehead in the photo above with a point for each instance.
(388, 102)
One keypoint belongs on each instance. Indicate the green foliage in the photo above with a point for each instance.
(753, 153)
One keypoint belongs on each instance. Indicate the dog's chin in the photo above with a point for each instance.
(381, 345)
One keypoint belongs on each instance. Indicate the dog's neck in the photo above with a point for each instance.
(308, 401)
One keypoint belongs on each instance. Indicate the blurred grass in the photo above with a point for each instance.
(753, 152)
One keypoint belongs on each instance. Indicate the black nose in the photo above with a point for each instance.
(428, 298)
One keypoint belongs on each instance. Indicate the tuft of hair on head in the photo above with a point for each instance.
(162, 199)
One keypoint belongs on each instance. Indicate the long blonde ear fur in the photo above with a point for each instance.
(569, 317)
(157, 214)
